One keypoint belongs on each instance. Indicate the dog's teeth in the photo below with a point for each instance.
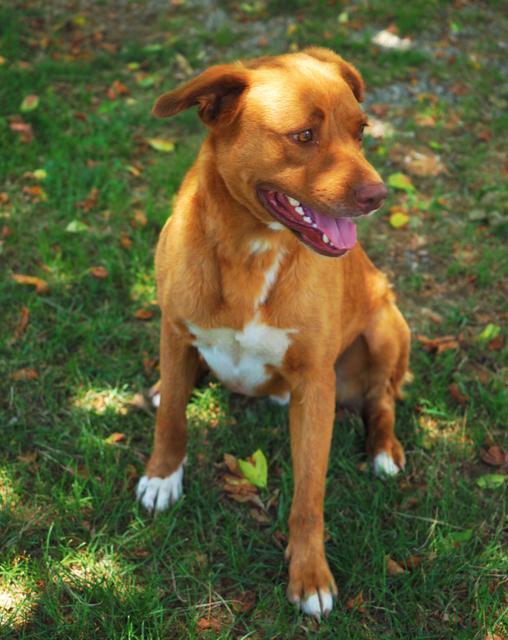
(325, 238)
(299, 211)
(293, 202)
(307, 219)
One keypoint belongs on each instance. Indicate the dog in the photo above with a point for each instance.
(260, 276)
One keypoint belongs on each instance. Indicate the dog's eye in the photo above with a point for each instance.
(303, 136)
(362, 129)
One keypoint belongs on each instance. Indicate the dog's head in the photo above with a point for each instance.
(287, 134)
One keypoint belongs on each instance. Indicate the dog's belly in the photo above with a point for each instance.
(239, 358)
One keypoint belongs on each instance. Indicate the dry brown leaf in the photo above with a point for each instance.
(412, 562)
(90, 201)
(424, 163)
(4, 197)
(208, 623)
(23, 129)
(496, 344)
(232, 464)
(117, 89)
(22, 324)
(393, 568)
(260, 516)
(456, 394)
(24, 374)
(357, 602)
(495, 456)
(243, 601)
(36, 192)
(125, 240)
(99, 272)
(439, 344)
(139, 219)
(143, 314)
(41, 286)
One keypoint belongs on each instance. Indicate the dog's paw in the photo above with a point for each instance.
(311, 584)
(282, 399)
(157, 494)
(384, 465)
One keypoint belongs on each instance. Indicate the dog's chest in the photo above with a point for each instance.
(240, 357)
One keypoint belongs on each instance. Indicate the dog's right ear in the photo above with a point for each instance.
(216, 91)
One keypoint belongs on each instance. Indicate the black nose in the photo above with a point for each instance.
(370, 196)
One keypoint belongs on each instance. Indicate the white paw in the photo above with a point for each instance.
(384, 465)
(159, 493)
(283, 399)
(318, 604)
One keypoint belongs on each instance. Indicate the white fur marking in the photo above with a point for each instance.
(384, 465)
(156, 399)
(270, 277)
(283, 399)
(158, 493)
(239, 358)
(276, 226)
(259, 246)
(318, 604)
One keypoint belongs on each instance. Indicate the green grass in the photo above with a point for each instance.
(78, 558)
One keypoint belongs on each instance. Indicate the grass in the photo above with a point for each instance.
(78, 557)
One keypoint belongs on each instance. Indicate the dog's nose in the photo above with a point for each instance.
(370, 196)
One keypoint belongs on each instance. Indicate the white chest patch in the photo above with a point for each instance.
(239, 358)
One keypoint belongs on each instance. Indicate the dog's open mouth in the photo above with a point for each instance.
(326, 235)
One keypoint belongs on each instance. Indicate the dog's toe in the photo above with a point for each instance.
(157, 494)
(384, 465)
(318, 604)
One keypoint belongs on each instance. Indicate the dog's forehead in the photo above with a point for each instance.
(287, 95)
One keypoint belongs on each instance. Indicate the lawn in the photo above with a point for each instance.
(87, 178)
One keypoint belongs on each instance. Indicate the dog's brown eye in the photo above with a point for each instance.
(362, 129)
(304, 136)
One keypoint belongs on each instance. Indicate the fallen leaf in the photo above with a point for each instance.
(393, 568)
(114, 438)
(456, 394)
(244, 601)
(255, 469)
(24, 374)
(140, 218)
(357, 602)
(76, 226)
(40, 174)
(491, 481)
(260, 516)
(398, 219)
(161, 144)
(22, 324)
(412, 562)
(41, 286)
(143, 314)
(204, 624)
(134, 170)
(424, 163)
(125, 240)
(232, 464)
(99, 272)
(495, 456)
(24, 129)
(90, 201)
(496, 344)
(4, 197)
(35, 192)
(30, 103)
(401, 181)
(440, 344)
(490, 332)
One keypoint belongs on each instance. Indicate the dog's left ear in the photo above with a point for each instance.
(216, 92)
(350, 74)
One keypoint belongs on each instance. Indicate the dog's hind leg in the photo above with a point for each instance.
(388, 341)
(179, 363)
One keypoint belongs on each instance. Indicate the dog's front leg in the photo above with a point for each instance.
(162, 483)
(311, 416)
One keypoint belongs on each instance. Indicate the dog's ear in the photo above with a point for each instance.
(216, 91)
(350, 74)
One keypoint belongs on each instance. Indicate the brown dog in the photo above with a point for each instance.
(259, 271)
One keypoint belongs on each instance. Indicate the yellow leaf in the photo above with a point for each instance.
(398, 219)
(161, 144)
(40, 174)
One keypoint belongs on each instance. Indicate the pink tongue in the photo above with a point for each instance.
(340, 231)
